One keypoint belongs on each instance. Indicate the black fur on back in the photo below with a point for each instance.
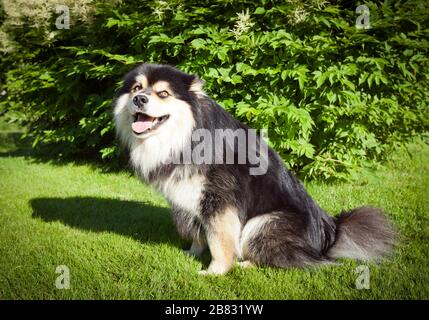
(277, 190)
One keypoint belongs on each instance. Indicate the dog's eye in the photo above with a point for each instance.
(137, 87)
(163, 94)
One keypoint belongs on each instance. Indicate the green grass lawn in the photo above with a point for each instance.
(116, 237)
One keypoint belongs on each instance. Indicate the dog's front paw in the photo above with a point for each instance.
(210, 273)
(214, 269)
(203, 273)
(246, 264)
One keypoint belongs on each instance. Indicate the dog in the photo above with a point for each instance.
(264, 218)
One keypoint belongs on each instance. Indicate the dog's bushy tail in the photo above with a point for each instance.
(363, 234)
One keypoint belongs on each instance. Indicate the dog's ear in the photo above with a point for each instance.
(197, 85)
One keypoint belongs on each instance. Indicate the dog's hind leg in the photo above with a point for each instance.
(223, 234)
(278, 239)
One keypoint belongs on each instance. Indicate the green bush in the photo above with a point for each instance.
(334, 97)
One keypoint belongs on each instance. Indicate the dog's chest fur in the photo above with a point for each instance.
(182, 188)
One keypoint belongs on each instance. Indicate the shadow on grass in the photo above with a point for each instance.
(142, 222)
(12, 145)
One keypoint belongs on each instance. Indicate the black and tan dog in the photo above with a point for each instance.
(266, 219)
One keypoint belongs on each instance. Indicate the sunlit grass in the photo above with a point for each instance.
(116, 237)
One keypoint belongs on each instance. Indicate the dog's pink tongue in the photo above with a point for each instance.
(142, 123)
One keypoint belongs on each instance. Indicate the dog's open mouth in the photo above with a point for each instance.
(144, 123)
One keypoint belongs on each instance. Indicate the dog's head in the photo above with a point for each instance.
(155, 101)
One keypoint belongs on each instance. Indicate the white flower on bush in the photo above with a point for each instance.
(242, 25)
(298, 15)
(160, 7)
(319, 3)
(37, 14)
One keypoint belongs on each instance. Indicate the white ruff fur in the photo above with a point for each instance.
(156, 148)
(183, 190)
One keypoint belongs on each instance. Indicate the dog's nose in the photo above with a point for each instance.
(140, 100)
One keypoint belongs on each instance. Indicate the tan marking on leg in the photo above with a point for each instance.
(223, 236)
